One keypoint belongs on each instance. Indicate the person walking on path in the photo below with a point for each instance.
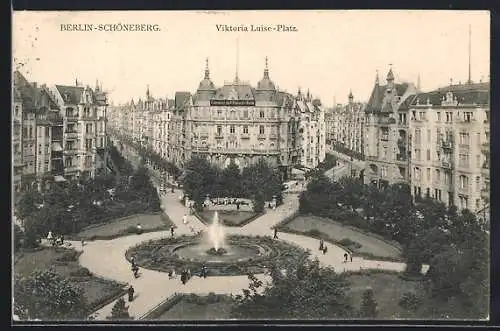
(345, 257)
(350, 255)
(183, 277)
(275, 233)
(131, 293)
(325, 249)
(321, 244)
(172, 230)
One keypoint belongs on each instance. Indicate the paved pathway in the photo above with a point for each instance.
(106, 258)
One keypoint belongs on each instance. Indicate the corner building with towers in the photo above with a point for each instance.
(240, 123)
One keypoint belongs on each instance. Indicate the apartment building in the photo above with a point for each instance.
(386, 135)
(450, 144)
(63, 134)
(346, 126)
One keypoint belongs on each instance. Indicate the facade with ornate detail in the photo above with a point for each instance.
(346, 126)
(240, 123)
(59, 132)
(234, 122)
(387, 135)
(450, 144)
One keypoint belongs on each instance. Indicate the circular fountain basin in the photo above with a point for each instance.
(243, 254)
(234, 253)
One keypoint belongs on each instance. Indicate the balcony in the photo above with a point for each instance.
(446, 164)
(402, 157)
(245, 136)
(446, 144)
(273, 136)
(219, 136)
(70, 151)
(261, 136)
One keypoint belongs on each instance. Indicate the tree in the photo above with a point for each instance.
(309, 291)
(27, 204)
(200, 179)
(46, 295)
(352, 191)
(230, 181)
(18, 237)
(119, 310)
(368, 304)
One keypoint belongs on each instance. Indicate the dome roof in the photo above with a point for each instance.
(206, 84)
(266, 83)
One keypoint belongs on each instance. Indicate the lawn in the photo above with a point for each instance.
(126, 225)
(387, 291)
(96, 290)
(229, 217)
(366, 244)
(193, 307)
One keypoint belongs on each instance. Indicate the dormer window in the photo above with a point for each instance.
(66, 96)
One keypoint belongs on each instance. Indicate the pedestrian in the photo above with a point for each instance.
(131, 293)
(321, 244)
(345, 257)
(275, 233)
(325, 249)
(350, 255)
(139, 228)
(173, 191)
(204, 271)
(184, 219)
(183, 277)
(172, 230)
(83, 242)
(62, 239)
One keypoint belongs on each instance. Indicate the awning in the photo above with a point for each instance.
(57, 147)
(58, 178)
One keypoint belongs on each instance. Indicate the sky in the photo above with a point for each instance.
(330, 53)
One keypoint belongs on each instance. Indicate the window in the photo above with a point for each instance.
(421, 116)
(464, 138)
(447, 177)
(384, 152)
(261, 114)
(231, 129)
(385, 134)
(478, 161)
(437, 175)
(383, 171)
(416, 173)
(88, 144)
(39, 149)
(438, 116)
(417, 136)
(463, 181)
(428, 174)
(16, 111)
(463, 160)
(245, 129)
(68, 162)
(449, 117)
(428, 155)
(261, 129)
(417, 154)
(429, 135)
(219, 130)
(25, 132)
(468, 116)
(233, 114)
(245, 113)
(219, 113)
(31, 132)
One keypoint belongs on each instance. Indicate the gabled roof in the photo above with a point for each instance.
(375, 102)
(181, 98)
(235, 91)
(478, 93)
(74, 93)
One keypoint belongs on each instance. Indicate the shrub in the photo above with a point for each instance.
(410, 301)
(69, 256)
(81, 272)
(213, 298)
(131, 229)
(349, 243)
(368, 304)
(314, 233)
(119, 311)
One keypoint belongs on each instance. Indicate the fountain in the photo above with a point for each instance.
(216, 236)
